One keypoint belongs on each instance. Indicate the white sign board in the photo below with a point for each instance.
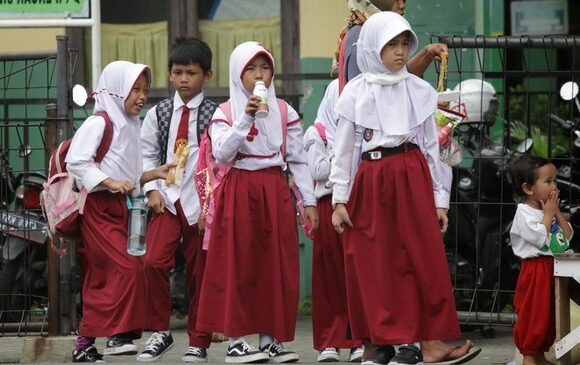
(546, 17)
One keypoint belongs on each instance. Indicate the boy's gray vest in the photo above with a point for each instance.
(164, 112)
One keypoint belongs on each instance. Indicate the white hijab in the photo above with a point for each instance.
(393, 103)
(269, 138)
(326, 114)
(113, 88)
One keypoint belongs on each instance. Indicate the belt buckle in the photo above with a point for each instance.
(375, 155)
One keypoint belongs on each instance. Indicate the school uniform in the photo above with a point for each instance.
(114, 285)
(534, 301)
(251, 280)
(178, 221)
(397, 279)
(329, 305)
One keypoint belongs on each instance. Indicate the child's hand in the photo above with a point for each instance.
(201, 224)
(252, 105)
(311, 215)
(162, 171)
(435, 50)
(443, 220)
(340, 218)
(118, 186)
(155, 202)
(551, 205)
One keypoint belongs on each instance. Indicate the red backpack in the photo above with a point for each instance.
(209, 173)
(61, 201)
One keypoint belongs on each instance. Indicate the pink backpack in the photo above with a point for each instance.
(209, 173)
(61, 202)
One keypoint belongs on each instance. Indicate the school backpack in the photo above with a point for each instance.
(62, 203)
(209, 173)
(164, 112)
(321, 131)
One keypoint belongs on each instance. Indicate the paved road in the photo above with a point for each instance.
(498, 350)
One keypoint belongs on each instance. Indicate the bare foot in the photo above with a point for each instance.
(437, 351)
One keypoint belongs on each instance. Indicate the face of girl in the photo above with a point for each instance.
(399, 7)
(545, 183)
(258, 69)
(137, 98)
(395, 53)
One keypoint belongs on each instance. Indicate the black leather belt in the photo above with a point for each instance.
(379, 153)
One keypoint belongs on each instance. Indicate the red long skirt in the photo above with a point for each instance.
(329, 305)
(114, 282)
(535, 329)
(250, 283)
(398, 283)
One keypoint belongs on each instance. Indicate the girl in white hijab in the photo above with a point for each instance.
(392, 220)
(251, 280)
(113, 287)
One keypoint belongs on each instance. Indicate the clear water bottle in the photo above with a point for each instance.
(136, 243)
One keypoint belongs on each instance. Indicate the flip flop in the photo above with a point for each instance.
(473, 352)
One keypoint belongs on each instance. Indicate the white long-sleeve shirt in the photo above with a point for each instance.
(227, 140)
(122, 161)
(342, 174)
(186, 193)
(319, 161)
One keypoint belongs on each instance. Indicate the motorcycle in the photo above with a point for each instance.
(23, 239)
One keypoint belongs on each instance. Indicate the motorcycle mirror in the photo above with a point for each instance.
(24, 150)
(524, 145)
(79, 95)
(569, 90)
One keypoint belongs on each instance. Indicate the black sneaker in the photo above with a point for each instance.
(120, 346)
(277, 353)
(195, 354)
(89, 354)
(381, 355)
(157, 344)
(243, 353)
(408, 355)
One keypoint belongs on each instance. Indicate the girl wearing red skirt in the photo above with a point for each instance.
(390, 208)
(251, 278)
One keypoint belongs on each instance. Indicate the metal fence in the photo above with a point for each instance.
(526, 74)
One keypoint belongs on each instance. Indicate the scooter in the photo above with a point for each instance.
(23, 242)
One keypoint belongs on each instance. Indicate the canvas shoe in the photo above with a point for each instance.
(380, 355)
(120, 346)
(157, 344)
(408, 355)
(356, 354)
(243, 353)
(278, 353)
(195, 354)
(329, 354)
(89, 354)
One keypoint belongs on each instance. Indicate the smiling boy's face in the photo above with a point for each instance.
(137, 97)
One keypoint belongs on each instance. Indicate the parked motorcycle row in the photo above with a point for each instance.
(23, 242)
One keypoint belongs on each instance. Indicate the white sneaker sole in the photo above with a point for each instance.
(127, 349)
(254, 358)
(154, 358)
(293, 357)
(193, 359)
(328, 358)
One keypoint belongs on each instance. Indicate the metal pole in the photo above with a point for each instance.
(64, 131)
(96, 42)
(53, 295)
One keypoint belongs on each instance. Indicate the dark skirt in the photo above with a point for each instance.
(398, 283)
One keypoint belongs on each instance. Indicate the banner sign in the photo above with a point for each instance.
(35, 9)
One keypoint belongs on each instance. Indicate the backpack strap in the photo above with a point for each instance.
(227, 109)
(164, 111)
(107, 137)
(321, 131)
(204, 115)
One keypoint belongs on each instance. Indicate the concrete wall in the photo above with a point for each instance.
(28, 39)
